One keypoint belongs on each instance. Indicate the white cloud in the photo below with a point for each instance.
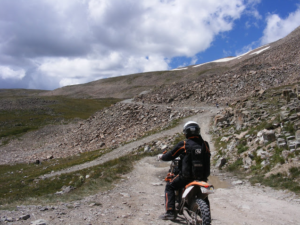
(75, 41)
(194, 60)
(278, 28)
(81, 70)
(172, 28)
(252, 10)
(64, 67)
(151, 63)
(8, 73)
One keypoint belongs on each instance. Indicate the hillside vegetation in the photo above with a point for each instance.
(259, 137)
(20, 114)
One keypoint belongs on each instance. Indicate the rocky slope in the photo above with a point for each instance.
(109, 128)
(261, 132)
(225, 87)
(269, 66)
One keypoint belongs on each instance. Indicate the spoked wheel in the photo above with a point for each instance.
(201, 213)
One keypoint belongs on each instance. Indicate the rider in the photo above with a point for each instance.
(193, 138)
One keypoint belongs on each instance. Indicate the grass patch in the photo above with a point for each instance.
(256, 169)
(281, 180)
(179, 137)
(19, 183)
(234, 167)
(220, 144)
(289, 127)
(48, 110)
(253, 130)
(294, 172)
(242, 146)
(202, 72)
(21, 179)
(277, 156)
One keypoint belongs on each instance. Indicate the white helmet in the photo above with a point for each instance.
(191, 128)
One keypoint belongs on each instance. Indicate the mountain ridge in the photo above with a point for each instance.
(277, 53)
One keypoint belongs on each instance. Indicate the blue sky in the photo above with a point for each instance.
(47, 44)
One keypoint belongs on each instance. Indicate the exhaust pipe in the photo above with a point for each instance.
(187, 215)
(189, 218)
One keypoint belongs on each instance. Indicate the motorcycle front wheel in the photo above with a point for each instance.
(201, 212)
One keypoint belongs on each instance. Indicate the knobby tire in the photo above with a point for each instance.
(203, 211)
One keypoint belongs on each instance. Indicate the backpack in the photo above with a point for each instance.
(196, 163)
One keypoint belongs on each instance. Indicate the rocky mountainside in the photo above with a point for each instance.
(260, 134)
(109, 128)
(272, 65)
(269, 66)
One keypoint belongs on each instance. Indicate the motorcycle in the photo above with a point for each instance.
(191, 201)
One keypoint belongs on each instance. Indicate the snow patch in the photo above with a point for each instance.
(260, 51)
(180, 69)
(200, 64)
(230, 58)
(224, 59)
(218, 60)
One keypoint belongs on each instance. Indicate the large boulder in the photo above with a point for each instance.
(294, 144)
(297, 135)
(262, 154)
(226, 114)
(219, 119)
(221, 162)
(284, 116)
(269, 136)
(247, 161)
(281, 143)
(239, 119)
(231, 145)
(297, 125)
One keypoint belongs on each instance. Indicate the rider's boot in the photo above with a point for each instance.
(169, 215)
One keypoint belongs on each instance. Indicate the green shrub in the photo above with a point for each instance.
(289, 127)
(256, 169)
(277, 157)
(220, 144)
(294, 172)
(236, 165)
(242, 148)
(278, 181)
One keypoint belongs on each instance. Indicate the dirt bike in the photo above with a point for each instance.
(190, 201)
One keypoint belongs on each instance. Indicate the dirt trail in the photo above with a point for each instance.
(139, 198)
(202, 118)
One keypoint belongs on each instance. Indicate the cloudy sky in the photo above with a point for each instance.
(47, 44)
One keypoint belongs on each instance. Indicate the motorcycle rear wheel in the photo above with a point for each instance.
(201, 209)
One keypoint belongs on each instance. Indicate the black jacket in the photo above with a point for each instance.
(183, 149)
